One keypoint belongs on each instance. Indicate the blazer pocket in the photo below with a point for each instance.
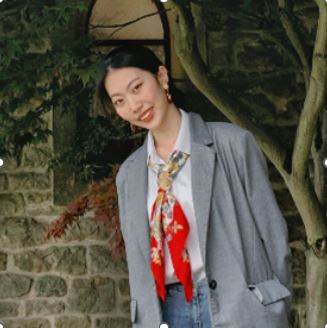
(133, 310)
(269, 291)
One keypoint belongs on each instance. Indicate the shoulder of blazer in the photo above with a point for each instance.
(225, 131)
(123, 169)
(236, 143)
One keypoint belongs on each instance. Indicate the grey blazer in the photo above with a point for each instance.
(242, 234)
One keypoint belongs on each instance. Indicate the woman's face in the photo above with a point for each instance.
(138, 96)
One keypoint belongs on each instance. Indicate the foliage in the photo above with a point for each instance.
(44, 65)
(47, 64)
(97, 145)
(102, 198)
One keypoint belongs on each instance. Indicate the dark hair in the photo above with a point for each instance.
(133, 56)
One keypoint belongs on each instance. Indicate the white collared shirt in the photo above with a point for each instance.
(182, 189)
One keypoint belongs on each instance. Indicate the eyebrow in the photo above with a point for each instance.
(128, 85)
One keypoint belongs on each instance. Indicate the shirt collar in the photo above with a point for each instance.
(183, 141)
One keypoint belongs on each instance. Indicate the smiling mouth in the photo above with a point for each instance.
(146, 115)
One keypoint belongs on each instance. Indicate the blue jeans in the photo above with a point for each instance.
(178, 313)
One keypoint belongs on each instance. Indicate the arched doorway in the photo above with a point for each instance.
(117, 22)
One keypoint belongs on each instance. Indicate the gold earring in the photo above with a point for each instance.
(168, 95)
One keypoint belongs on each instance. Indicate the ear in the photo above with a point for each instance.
(162, 76)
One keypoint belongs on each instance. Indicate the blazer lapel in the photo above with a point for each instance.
(137, 199)
(203, 158)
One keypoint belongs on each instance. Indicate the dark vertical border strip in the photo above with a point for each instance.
(165, 26)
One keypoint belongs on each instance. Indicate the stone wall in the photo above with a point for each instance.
(72, 282)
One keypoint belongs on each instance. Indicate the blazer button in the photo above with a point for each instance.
(213, 284)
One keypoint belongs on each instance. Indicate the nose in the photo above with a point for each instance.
(135, 104)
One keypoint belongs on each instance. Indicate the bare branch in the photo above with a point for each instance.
(122, 25)
(294, 36)
(313, 104)
(187, 51)
(310, 209)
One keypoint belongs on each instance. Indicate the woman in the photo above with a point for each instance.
(206, 243)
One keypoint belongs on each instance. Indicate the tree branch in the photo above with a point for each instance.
(313, 214)
(122, 25)
(294, 36)
(187, 51)
(315, 98)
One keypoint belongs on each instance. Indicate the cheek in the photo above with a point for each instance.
(155, 93)
(123, 113)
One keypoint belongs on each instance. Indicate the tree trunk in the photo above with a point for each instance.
(316, 275)
(316, 290)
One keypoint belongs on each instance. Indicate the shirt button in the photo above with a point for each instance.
(213, 284)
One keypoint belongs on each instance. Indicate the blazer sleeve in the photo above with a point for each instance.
(267, 215)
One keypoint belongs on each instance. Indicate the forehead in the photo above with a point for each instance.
(118, 79)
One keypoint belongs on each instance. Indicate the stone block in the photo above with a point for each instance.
(14, 285)
(36, 156)
(9, 164)
(73, 322)
(18, 232)
(253, 54)
(95, 295)
(28, 181)
(38, 197)
(113, 322)
(44, 209)
(220, 51)
(102, 261)
(125, 307)
(27, 323)
(43, 307)
(3, 261)
(70, 260)
(298, 267)
(124, 287)
(302, 4)
(8, 309)
(282, 87)
(3, 182)
(39, 203)
(11, 204)
(50, 286)
(85, 228)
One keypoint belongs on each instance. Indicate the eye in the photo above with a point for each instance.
(118, 102)
(137, 87)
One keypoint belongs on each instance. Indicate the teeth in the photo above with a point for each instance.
(145, 116)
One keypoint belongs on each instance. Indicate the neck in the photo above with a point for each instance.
(165, 136)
